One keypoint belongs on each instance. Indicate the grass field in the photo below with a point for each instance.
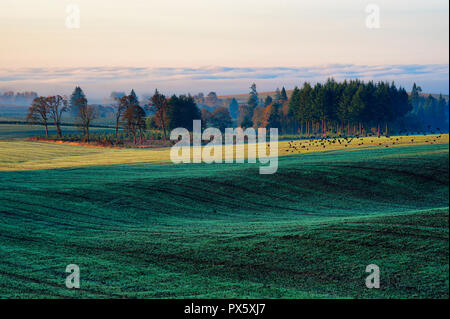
(154, 230)
(30, 155)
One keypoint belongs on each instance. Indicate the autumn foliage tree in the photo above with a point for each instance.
(245, 116)
(134, 120)
(259, 117)
(159, 106)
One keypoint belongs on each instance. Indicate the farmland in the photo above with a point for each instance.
(140, 227)
(29, 155)
(20, 131)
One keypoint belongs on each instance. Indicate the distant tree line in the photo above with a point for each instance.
(165, 113)
(173, 112)
(346, 108)
(19, 98)
(427, 112)
(168, 113)
(211, 101)
(263, 113)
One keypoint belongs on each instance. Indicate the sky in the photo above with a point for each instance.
(196, 46)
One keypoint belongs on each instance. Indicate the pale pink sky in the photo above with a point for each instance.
(221, 33)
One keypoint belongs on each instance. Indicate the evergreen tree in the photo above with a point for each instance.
(268, 100)
(306, 110)
(441, 107)
(357, 106)
(77, 96)
(253, 97)
(234, 108)
(182, 110)
(133, 98)
(277, 97)
(294, 109)
(283, 94)
(294, 104)
(415, 96)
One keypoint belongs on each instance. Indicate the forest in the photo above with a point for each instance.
(347, 108)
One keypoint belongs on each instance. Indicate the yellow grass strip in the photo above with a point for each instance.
(31, 155)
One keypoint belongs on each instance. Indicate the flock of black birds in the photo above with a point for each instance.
(324, 141)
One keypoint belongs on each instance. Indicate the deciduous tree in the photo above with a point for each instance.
(159, 106)
(38, 112)
(134, 121)
(86, 114)
(56, 106)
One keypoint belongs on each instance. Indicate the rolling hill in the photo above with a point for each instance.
(224, 231)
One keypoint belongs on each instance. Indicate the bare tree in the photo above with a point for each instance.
(56, 106)
(38, 113)
(121, 106)
(86, 114)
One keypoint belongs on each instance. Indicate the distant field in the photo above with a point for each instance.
(223, 230)
(20, 131)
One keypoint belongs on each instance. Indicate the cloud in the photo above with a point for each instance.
(99, 81)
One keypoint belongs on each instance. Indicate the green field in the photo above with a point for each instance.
(20, 131)
(215, 231)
